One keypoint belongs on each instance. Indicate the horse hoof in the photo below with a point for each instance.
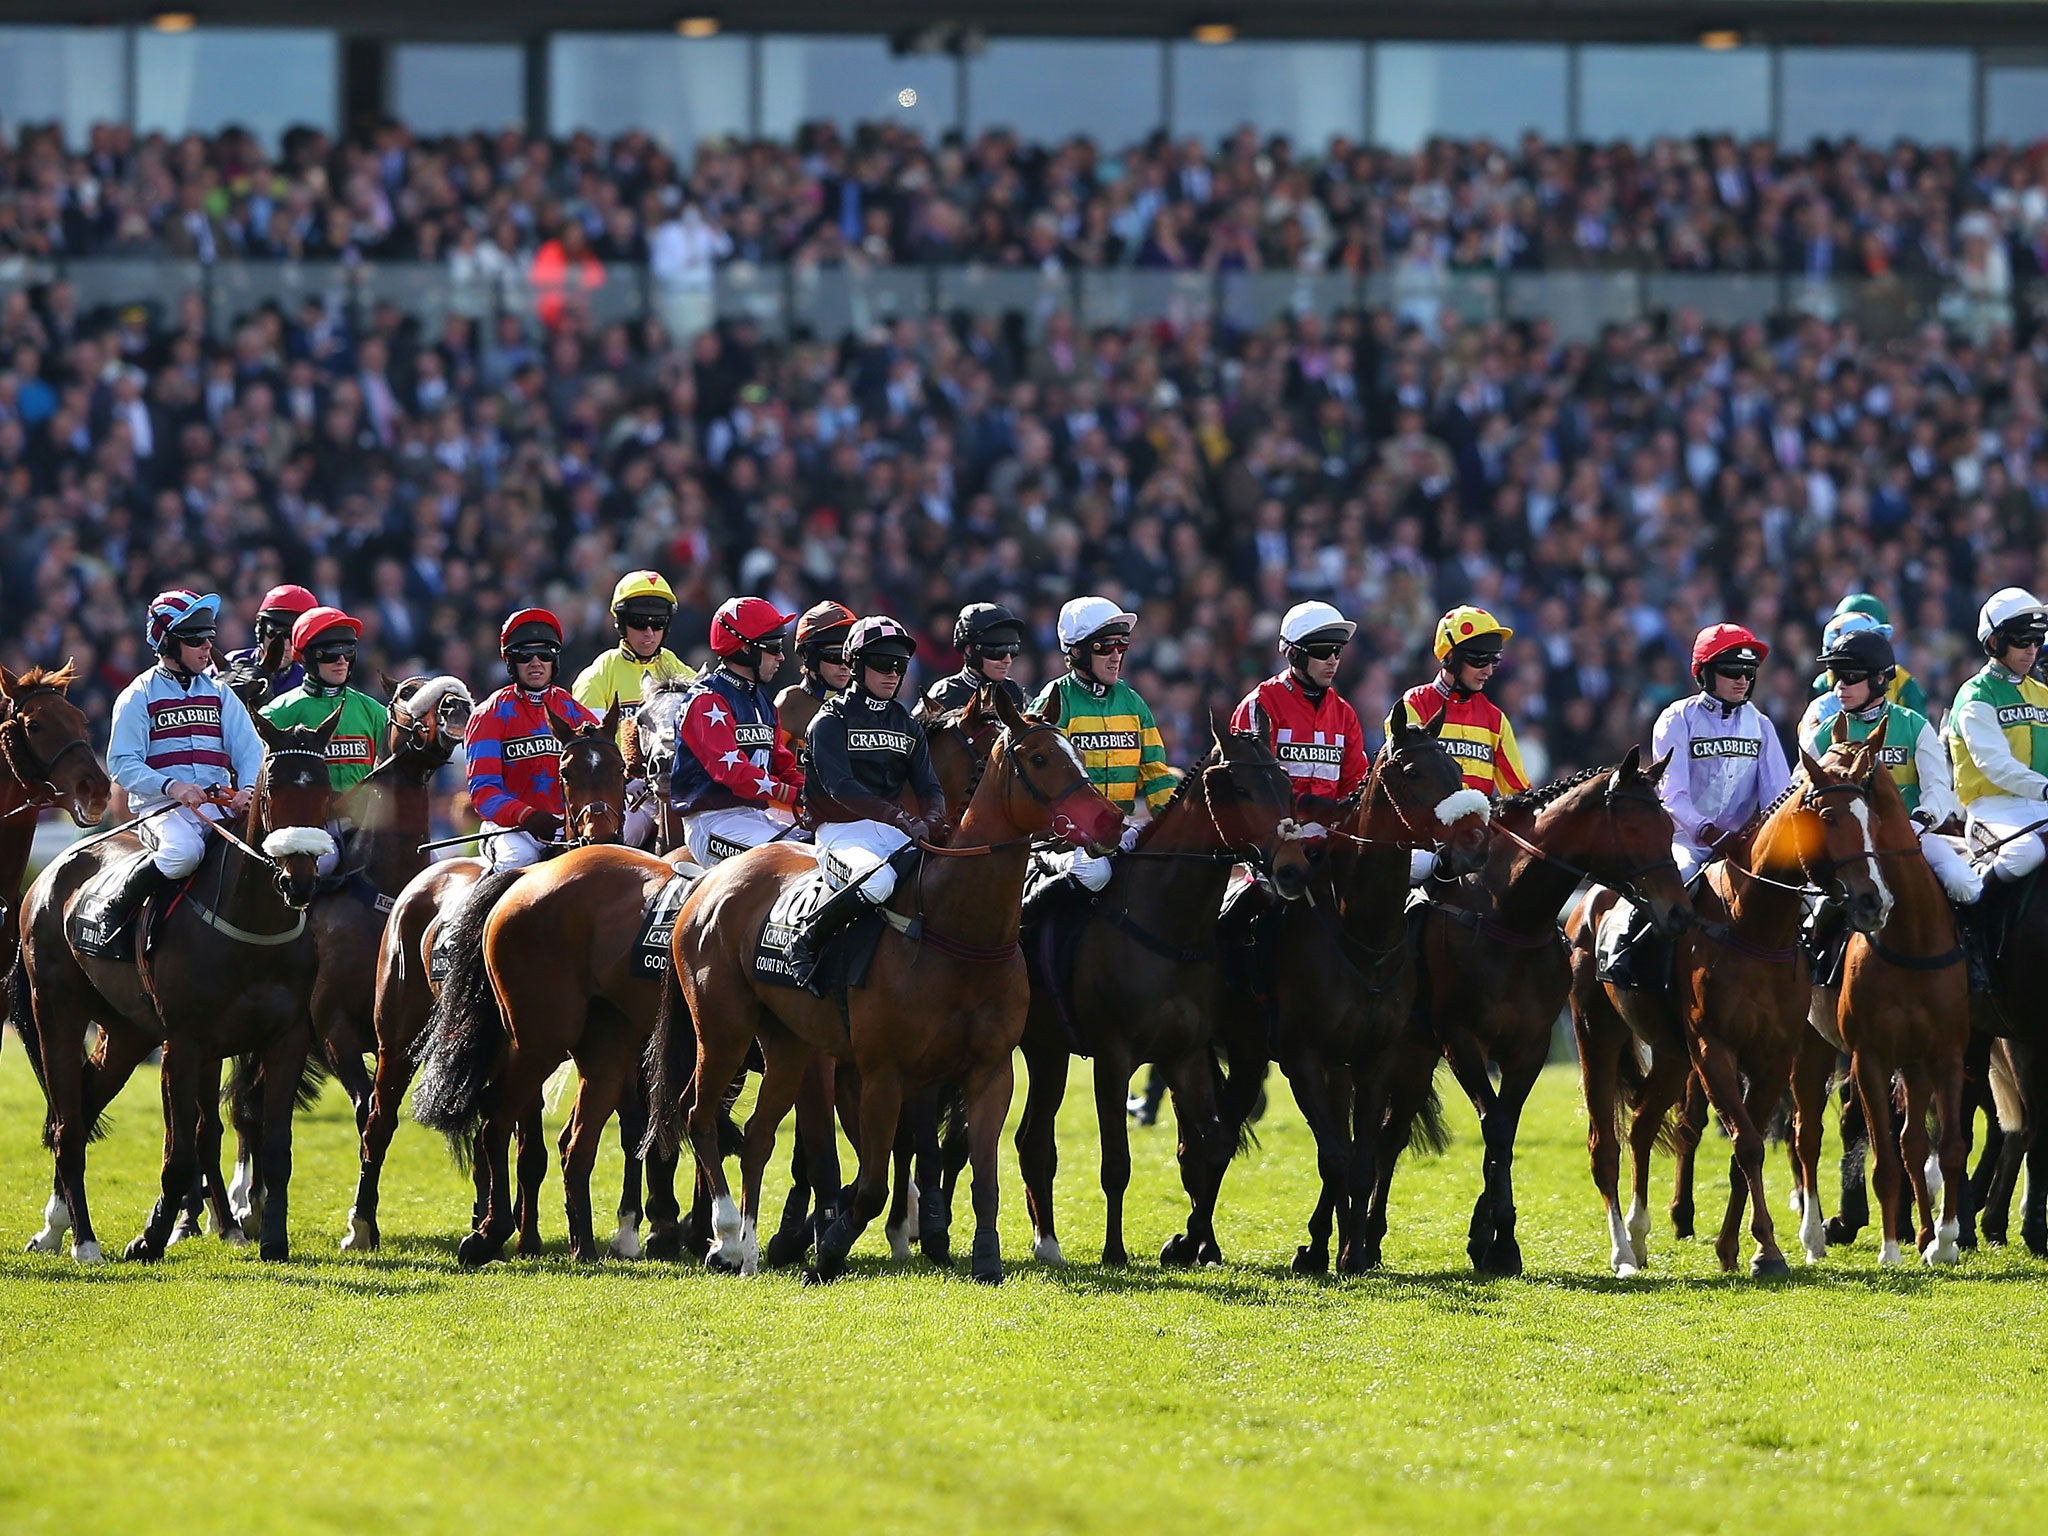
(87, 1253)
(1311, 1261)
(581, 1253)
(987, 1267)
(1769, 1267)
(475, 1251)
(362, 1236)
(938, 1247)
(721, 1261)
(184, 1231)
(143, 1251)
(1180, 1252)
(625, 1243)
(1681, 1226)
(665, 1243)
(1840, 1233)
(2037, 1241)
(235, 1237)
(1355, 1261)
(528, 1246)
(274, 1253)
(1047, 1251)
(787, 1247)
(1115, 1258)
(1626, 1271)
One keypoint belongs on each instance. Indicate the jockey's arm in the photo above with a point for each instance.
(1977, 723)
(1673, 738)
(1938, 801)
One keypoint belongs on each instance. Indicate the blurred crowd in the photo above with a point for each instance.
(1606, 499)
(490, 204)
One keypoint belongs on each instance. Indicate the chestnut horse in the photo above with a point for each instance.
(1903, 1006)
(1147, 986)
(1495, 977)
(593, 777)
(1351, 974)
(46, 759)
(944, 1003)
(232, 974)
(1740, 1005)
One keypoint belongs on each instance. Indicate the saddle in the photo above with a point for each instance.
(100, 922)
(847, 954)
(1628, 953)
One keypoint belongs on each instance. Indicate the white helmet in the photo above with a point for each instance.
(1316, 620)
(2007, 605)
(1085, 617)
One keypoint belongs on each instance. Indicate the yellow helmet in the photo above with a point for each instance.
(1461, 626)
(642, 584)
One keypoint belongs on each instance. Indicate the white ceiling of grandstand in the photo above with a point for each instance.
(1811, 21)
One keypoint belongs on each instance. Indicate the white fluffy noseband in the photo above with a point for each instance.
(431, 694)
(1466, 802)
(310, 842)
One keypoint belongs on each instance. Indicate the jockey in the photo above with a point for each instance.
(1111, 727)
(821, 654)
(1861, 664)
(177, 733)
(1726, 760)
(735, 784)
(274, 621)
(643, 607)
(510, 748)
(989, 638)
(1468, 646)
(1858, 611)
(324, 640)
(1998, 737)
(866, 749)
(1312, 730)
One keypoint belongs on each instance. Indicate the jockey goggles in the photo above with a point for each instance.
(999, 648)
(333, 650)
(894, 664)
(533, 650)
(1326, 650)
(195, 635)
(1849, 674)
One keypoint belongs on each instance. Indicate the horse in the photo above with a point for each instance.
(233, 974)
(46, 759)
(1739, 1007)
(941, 1003)
(593, 777)
(1146, 986)
(1350, 974)
(1494, 977)
(1902, 1006)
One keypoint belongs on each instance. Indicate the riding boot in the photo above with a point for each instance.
(1047, 896)
(832, 914)
(143, 882)
(1972, 924)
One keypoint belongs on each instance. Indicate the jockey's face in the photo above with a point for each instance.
(1472, 676)
(1853, 690)
(1730, 686)
(643, 637)
(883, 676)
(1319, 663)
(1103, 657)
(535, 673)
(994, 665)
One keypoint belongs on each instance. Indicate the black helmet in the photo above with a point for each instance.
(1862, 650)
(983, 624)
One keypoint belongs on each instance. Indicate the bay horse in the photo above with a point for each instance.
(944, 1005)
(1739, 1007)
(1494, 977)
(1147, 986)
(1902, 1007)
(232, 974)
(1350, 974)
(593, 776)
(46, 759)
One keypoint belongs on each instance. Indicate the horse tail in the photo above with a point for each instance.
(2007, 1096)
(669, 1064)
(465, 1031)
(952, 1115)
(1427, 1132)
(243, 1096)
(1238, 1083)
(21, 1014)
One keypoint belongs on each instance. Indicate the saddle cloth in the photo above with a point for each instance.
(847, 953)
(651, 956)
(98, 923)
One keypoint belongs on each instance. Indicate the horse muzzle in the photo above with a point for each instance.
(1868, 911)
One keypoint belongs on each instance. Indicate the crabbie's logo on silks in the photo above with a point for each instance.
(877, 741)
(184, 715)
(1106, 741)
(349, 749)
(1725, 746)
(1894, 757)
(2022, 714)
(1308, 752)
(749, 734)
(520, 748)
(1465, 746)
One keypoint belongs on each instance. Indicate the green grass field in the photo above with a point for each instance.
(396, 1393)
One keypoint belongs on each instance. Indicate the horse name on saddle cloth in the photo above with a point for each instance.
(651, 955)
(848, 953)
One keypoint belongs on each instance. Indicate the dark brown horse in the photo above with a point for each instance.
(232, 974)
(1740, 1006)
(593, 776)
(1495, 977)
(1902, 1006)
(943, 1005)
(46, 760)
(1350, 973)
(1147, 987)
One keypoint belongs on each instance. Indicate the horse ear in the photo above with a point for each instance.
(1398, 728)
(1631, 763)
(327, 729)
(1655, 771)
(1812, 766)
(610, 724)
(1875, 740)
(390, 687)
(7, 681)
(1003, 710)
(1219, 737)
(272, 737)
(1052, 706)
(1840, 733)
(564, 731)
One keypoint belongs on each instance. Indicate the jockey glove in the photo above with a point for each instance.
(543, 825)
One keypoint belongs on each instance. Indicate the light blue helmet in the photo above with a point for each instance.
(1848, 624)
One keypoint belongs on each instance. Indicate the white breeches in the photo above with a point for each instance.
(1092, 870)
(1962, 882)
(1997, 816)
(1689, 861)
(1420, 862)
(178, 839)
(715, 836)
(861, 851)
(510, 848)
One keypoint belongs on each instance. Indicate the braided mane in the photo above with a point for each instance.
(1551, 793)
(1181, 791)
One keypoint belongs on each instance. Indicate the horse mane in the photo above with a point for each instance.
(1181, 791)
(1538, 799)
(59, 678)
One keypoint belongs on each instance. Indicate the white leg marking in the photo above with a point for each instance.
(1889, 1255)
(241, 1191)
(1813, 1232)
(727, 1231)
(1047, 1250)
(56, 1222)
(1934, 1184)
(88, 1253)
(1639, 1230)
(625, 1243)
(1621, 1247)
(900, 1234)
(358, 1234)
(236, 1238)
(1944, 1248)
(750, 1250)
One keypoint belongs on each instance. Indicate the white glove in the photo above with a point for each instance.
(1130, 838)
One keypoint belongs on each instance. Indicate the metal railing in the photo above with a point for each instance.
(830, 302)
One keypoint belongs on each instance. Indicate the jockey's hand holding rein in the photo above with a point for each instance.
(192, 797)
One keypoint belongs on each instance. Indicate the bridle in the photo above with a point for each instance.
(587, 813)
(259, 817)
(1628, 883)
(22, 760)
(1063, 826)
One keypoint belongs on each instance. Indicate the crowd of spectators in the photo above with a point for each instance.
(1606, 499)
(493, 203)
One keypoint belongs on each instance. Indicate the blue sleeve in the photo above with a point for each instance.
(129, 743)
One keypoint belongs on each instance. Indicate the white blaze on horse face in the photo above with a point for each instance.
(1073, 754)
(1861, 811)
(1453, 808)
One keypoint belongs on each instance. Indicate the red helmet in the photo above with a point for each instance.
(1717, 640)
(742, 622)
(287, 599)
(315, 622)
(525, 617)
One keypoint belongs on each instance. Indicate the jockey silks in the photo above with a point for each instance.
(1912, 753)
(730, 750)
(957, 691)
(863, 752)
(1726, 765)
(1115, 734)
(1998, 736)
(513, 759)
(191, 729)
(352, 749)
(1475, 732)
(619, 677)
(1316, 740)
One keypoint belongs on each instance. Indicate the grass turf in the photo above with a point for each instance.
(349, 1393)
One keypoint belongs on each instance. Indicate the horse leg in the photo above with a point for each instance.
(939, 1165)
(1518, 1074)
(881, 1104)
(1038, 1153)
(1112, 1082)
(61, 1000)
(1333, 1146)
(1685, 1145)
(401, 1013)
(1810, 1072)
(2034, 1215)
(625, 1239)
(919, 1125)
(783, 1060)
(1953, 1153)
(1601, 1039)
(284, 1062)
(1874, 1087)
(601, 1069)
(1722, 1077)
(1203, 1154)
(988, 1105)
(1665, 1086)
(1468, 1065)
(1409, 1090)
(514, 1103)
(1854, 1214)
(533, 1172)
(179, 1081)
(792, 1236)
(1913, 1146)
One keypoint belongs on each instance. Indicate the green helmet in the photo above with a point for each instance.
(1864, 602)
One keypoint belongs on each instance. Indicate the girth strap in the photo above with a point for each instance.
(1890, 956)
(1186, 954)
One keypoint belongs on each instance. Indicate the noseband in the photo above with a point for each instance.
(1062, 824)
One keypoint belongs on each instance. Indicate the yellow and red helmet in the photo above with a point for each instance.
(1463, 626)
